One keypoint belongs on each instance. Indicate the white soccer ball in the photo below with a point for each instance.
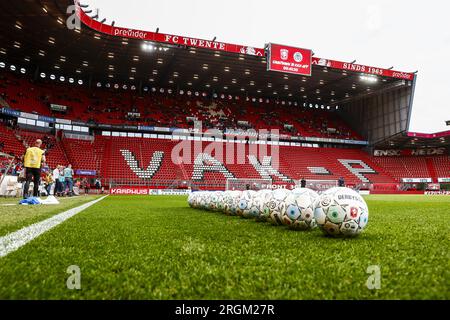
(276, 206)
(298, 213)
(220, 203)
(227, 200)
(341, 212)
(194, 199)
(261, 201)
(233, 204)
(213, 201)
(204, 200)
(191, 200)
(247, 204)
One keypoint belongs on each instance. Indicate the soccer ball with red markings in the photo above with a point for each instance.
(341, 212)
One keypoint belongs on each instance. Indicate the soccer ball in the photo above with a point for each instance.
(204, 200)
(227, 200)
(194, 199)
(276, 206)
(191, 200)
(213, 201)
(298, 213)
(248, 205)
(261, 201)
(233, 204)
(341, 212)
(220, 203)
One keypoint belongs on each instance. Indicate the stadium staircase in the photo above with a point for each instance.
(431, 170)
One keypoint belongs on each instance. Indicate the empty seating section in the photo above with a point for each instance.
(112, 106)
(55, 152)
(137, 161)
(83, 154)
(16, 141)
(442, 166)
(11, 144)
(149, 161)
(161, 162)
(404, 167)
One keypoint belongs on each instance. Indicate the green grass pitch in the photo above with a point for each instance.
(159, 248)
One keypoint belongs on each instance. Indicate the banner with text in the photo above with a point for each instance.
(410, 152)
(222, 46)
(289, 59)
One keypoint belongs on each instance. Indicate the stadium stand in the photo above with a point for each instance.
(143, 161)
(140, 161)
(114, 106)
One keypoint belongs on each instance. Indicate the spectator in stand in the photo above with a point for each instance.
(68, 176)
(33, 160)
(341, 182)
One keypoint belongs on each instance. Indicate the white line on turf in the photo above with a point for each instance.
(17, 239)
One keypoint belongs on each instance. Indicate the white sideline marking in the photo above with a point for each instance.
(17, 239)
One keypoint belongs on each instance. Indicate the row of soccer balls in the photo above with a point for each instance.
(337, 211)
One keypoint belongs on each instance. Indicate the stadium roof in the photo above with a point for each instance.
(35, 36)
(414, 140)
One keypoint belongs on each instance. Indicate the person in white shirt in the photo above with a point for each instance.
(57, 185)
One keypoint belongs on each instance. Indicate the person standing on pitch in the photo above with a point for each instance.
(68, 175)
(33, 160)
(57, 184)
(303, 183)
(62, 182)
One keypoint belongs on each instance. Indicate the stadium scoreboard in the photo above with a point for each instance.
(288, 59)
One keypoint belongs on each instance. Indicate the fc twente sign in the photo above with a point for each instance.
(289, 59)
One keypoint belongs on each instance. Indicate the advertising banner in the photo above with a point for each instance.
(85, 172)
(410, 152)
(129, 191)
(437, 193)
(146, 191)
(10, 112)
(417, 180)
(46, 119)
(362, 69)
(434, 187)
(289, 59)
